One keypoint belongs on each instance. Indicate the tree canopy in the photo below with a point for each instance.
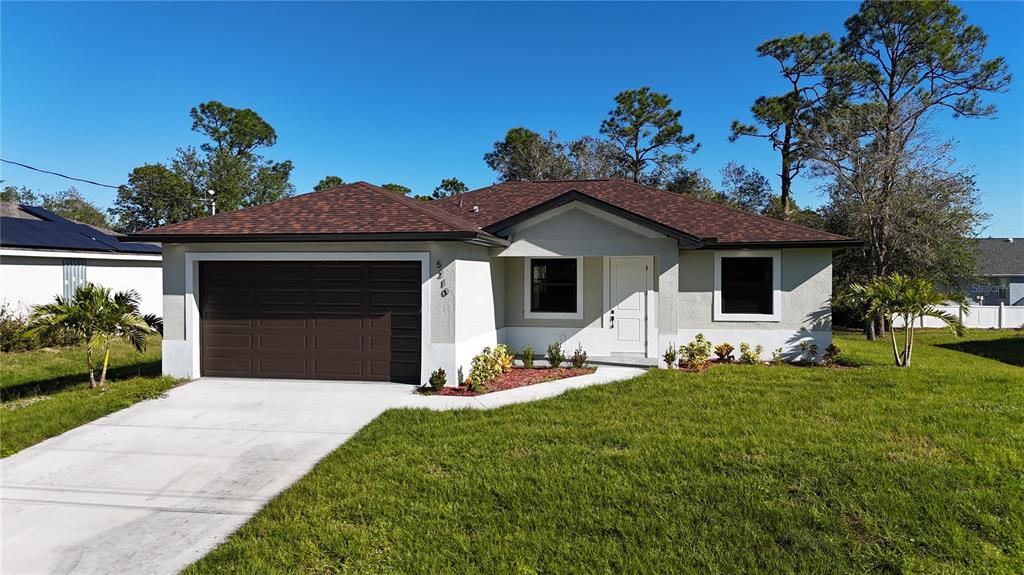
(449, 187)
(228, 164)
(328, 182)
(648, 135)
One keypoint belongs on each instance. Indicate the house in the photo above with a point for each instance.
(43, 255)
(360, 283)
(1000, 273)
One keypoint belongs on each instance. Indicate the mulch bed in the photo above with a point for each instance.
(518, 377)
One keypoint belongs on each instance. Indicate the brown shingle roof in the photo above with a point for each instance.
(358, 208)
(361, 210)
(711, 222)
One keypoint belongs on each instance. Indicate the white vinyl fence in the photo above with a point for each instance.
(979, 317)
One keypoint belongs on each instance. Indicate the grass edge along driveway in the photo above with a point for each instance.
(45, 392)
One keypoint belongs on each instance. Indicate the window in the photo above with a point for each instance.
(747, 286)
(553, 287)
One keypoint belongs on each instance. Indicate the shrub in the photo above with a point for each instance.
(438, 379)
(14, 334)
(555, 354)
(503, 357)
(485, 367)
(751, 355)
(724, 351)
(831, 354)
(579, 357)
(670, 355)
(808, 351)
(528, 357)
(697, 353)
(777, 358)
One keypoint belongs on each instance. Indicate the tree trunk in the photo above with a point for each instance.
(869, 329)
(895, 348)
(88, 360)
(881, 327)
(106, 361)
(786, 197)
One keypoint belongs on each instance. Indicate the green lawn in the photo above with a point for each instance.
(46, 392)
(743, 469)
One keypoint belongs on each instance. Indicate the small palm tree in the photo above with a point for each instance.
(99, 318)
(909, 299)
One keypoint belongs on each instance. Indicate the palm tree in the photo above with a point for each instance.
(909, 299)
(98, 318)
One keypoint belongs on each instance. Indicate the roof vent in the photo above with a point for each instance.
(475, 209)
(1009, 240)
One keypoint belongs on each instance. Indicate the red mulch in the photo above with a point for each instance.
(519, 377)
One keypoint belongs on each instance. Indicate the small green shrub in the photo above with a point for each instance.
(750, 355)
(724, 352)
(808, 351)
(579, 357)
(503, 357)
(15, 337)
(697, 353)
(555, 354)
(485, 367)
(528, 357)
(438, 379)
(831, 354)
(777, 358)
(670, 355)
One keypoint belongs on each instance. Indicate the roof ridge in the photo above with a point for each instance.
(437, 214)
(744, 212)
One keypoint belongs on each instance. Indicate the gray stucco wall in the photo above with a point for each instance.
(593, 295)
(806, 292)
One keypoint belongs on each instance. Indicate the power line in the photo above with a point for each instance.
(58, 174)
(6, 161)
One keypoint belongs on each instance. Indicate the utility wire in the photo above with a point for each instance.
(6, 161)
(58, 174)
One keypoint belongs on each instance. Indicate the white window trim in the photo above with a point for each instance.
(528, 290)
(776, 314)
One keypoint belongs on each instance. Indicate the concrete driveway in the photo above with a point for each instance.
(152, 488)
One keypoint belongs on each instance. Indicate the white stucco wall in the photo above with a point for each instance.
(806, 312)
(29, 278)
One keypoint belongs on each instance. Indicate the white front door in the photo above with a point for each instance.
(627, 304)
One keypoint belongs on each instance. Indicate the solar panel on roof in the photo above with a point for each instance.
(56, 232)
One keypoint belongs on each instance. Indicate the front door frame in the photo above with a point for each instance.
(650, 305)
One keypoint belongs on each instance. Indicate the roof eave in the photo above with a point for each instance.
(475, 237)
(835, 244)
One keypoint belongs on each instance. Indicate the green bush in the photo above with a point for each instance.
(438, 379)
(724, 351)
(777, 358)
(485, 368)
(751, 355)
(697, 353)
(555, 354)
(831, 354)
(13, 336)
(528, 357)
(670, 356)
(579, 357)
(808, 351)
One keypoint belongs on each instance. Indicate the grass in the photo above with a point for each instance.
(46, 392)
(744, 469)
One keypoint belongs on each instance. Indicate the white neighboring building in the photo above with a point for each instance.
(43, 255)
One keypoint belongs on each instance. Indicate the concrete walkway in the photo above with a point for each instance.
(152, 488)
(604, 374)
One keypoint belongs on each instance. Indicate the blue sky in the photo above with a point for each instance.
(412, 93)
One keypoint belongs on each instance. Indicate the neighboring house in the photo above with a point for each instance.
(1000, 273)
(360, 283)
(43, 255)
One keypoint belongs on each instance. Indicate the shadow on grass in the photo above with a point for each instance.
(1007, 350)
(149, 368)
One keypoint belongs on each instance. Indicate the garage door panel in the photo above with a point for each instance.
(324, 320)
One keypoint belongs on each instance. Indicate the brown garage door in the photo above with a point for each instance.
(311, 320)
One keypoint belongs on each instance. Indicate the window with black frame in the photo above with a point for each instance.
(553, 285)
(747, 285)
